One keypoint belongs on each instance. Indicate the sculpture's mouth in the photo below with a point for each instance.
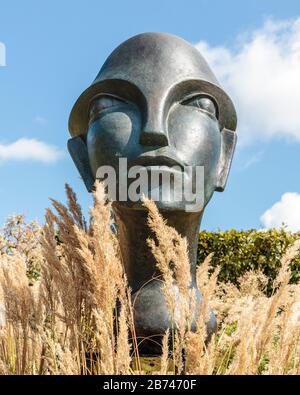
(157, 160)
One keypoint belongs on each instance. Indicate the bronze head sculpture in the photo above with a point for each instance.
(154, 102)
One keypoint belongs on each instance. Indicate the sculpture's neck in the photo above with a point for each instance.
(133, 232)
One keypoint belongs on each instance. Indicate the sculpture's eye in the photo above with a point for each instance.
(202, 103)
(102, 103)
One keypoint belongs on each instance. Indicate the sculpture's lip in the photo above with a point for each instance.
(158, 160)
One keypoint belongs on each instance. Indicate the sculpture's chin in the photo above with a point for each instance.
(163, 206)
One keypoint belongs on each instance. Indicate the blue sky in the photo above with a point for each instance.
(54, 50)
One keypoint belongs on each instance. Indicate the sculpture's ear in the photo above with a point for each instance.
(78, 151)
(228, 142)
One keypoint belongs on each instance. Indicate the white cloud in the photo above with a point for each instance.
(39, 120)
(2, 54)
(252, 160)
(262, 75)
(286, 211)
(29, 149)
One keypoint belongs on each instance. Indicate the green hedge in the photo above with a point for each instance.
(237, 252)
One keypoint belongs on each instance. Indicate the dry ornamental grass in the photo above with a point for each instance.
(62, 285)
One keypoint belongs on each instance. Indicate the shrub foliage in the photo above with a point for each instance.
(236, 252)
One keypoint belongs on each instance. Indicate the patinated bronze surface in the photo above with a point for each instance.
(155, 102)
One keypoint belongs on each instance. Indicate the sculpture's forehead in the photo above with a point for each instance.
(156, 61)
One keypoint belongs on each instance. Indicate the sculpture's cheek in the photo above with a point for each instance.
(115, 134)
(197, 140)
(195, 135)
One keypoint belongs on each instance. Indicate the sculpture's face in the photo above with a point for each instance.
(190, 138)
(153, 108)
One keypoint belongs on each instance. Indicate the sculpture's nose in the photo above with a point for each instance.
(153, 137)
(154, 132)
